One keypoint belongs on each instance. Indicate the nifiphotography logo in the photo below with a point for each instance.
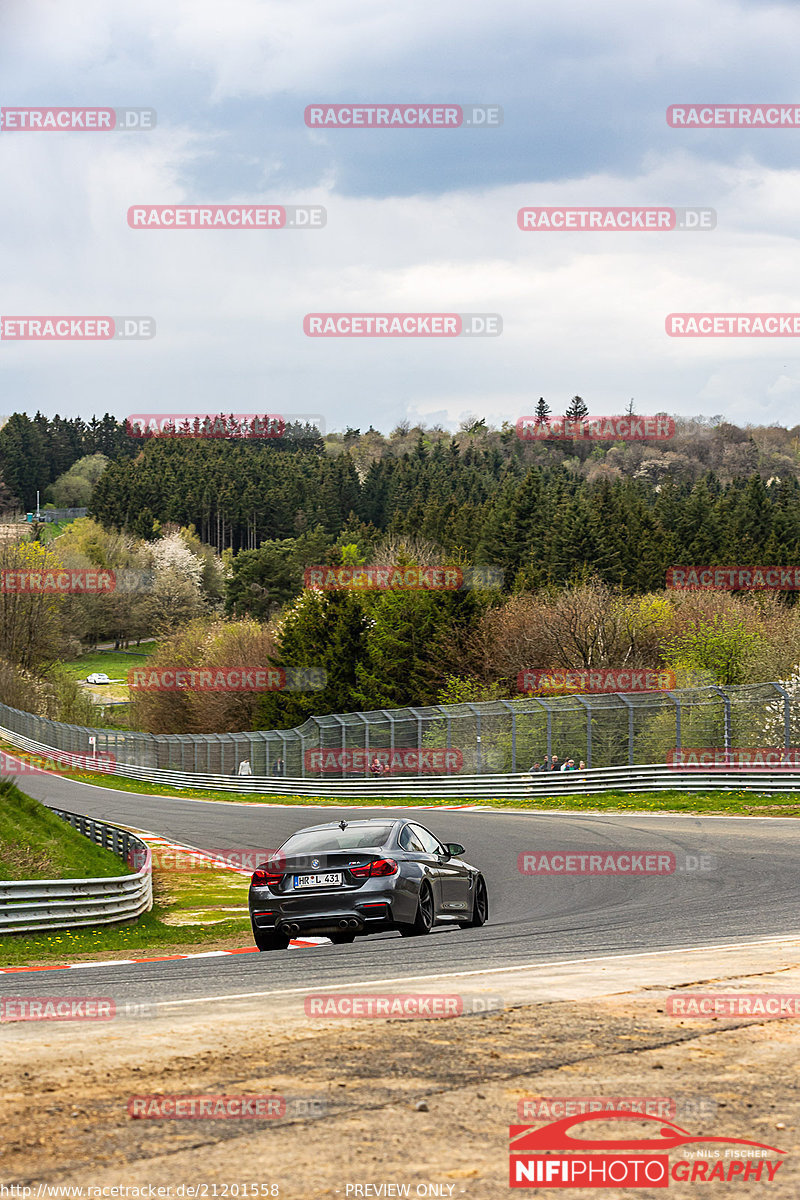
(555, 1157)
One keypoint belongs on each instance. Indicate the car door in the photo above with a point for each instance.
(453, 881)
(413, 840)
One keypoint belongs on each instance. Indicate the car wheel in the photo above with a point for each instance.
(480, 905)
(423, 922)
(341, 939)
(269, 939)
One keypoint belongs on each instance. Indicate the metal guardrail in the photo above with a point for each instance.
(653, 777)
(34, 905)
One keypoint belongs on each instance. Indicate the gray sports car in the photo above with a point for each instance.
(358, 877)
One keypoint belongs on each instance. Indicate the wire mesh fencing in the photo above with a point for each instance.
(490, 737)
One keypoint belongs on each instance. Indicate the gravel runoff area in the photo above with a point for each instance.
(374, 1107)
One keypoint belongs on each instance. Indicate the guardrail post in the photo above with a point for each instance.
(677, 703)
(507, 705)
(588, 709)
(786, 715)
(366, 742)
(627, 702)
(419, 730)
(549, 712)
(726, 700)
(282, 736)
(478, 752)
(343, 739)
(390, 719)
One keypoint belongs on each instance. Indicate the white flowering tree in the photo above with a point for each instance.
(175, 596)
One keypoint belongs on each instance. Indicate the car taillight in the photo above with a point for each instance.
(265, 879)
(381, 866)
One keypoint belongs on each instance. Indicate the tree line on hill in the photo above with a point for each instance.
(542, 524)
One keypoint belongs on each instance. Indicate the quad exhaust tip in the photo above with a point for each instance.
(291, 928)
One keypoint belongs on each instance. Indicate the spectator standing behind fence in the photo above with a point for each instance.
(554, 763)
(278, 766)
(245, 768)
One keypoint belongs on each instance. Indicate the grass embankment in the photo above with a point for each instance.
(197, 909)
(36, 844)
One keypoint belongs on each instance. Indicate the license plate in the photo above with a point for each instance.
(332, 879)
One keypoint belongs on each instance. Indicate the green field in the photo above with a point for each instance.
(115, 663)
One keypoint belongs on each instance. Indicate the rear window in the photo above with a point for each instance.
(355, 837)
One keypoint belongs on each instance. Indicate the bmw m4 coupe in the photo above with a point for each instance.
(358, 877)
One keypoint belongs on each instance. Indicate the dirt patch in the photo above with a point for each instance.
(375, 1102)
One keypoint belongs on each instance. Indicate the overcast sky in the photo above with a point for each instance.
(417, 220)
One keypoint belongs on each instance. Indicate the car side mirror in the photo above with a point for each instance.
(453, 849)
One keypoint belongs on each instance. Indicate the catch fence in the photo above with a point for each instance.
(474, 739)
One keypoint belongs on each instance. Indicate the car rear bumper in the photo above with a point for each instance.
(364, 911)
(323, 924)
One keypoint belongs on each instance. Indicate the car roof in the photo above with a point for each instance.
(350, 824)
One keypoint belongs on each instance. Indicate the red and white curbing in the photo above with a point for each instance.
(121, 962)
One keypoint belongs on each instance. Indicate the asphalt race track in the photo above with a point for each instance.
(752, 890)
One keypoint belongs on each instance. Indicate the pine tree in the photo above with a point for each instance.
(542, 411)
(577, 409)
